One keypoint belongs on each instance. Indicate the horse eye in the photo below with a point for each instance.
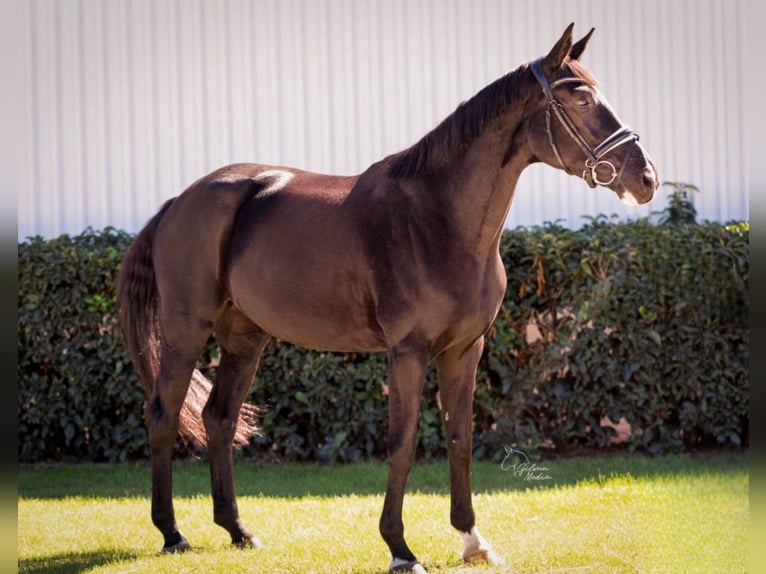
(581, 97)
(583, 100)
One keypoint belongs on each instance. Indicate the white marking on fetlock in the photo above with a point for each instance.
(477, 549)
(402, 565)
(275, 179)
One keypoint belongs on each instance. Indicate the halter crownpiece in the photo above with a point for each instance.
(594, 156)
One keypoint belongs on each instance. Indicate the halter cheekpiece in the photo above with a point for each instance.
(593, 161)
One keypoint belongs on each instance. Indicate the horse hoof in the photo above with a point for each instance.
(483, 555)
(180, 546)
(248, 542)
(400, 565)
(478, 550)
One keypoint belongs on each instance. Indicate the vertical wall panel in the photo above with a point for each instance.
(128, 102)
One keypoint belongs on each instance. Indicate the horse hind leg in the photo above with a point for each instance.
(184, 246)
(186, 321)
(162, 414)
(241, 347)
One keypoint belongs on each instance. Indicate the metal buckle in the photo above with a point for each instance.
(593, 167)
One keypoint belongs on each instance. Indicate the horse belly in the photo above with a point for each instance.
(312, 328)
(306, 302)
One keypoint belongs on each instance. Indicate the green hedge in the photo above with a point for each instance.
(631, 320)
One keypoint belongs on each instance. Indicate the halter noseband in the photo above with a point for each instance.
(594, 156)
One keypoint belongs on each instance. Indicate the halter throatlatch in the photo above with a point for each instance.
(593, 161)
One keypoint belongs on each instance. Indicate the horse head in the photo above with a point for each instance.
(574, 128)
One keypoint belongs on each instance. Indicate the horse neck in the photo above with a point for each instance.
(478, 187)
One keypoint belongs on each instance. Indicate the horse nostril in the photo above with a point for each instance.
(649, 179)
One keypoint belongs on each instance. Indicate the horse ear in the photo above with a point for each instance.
(555, 57)
(579, 47)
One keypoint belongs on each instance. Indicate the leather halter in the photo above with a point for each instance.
(594, 156)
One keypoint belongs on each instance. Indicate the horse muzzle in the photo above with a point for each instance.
(643, 191)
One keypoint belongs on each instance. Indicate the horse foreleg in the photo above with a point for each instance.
(406, 375)
(457, 380)
(239, 361)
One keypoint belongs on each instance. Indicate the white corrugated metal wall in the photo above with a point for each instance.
(130, 101)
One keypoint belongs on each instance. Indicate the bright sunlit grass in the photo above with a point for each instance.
(621, 514)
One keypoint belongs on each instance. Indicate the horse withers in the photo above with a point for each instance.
(402, 258)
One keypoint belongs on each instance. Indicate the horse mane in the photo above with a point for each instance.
(439, 146)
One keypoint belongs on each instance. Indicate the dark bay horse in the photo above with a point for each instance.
(401, 259)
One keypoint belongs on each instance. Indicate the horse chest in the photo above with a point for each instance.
(445, 306)
(477, 304)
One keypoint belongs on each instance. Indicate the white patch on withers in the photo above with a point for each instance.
(477, 549)
(231, 177)
(274, 180)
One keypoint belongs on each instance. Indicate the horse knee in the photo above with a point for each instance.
(220, 428)
(162, 425)
(460, 447)
(154, 411)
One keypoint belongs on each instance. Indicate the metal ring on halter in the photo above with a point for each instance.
(594, 173)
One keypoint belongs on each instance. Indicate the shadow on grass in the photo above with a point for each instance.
(369, 478)
(71, 562)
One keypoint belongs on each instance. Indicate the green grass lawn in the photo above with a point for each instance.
(619, 514)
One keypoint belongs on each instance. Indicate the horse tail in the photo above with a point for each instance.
(138, 304)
